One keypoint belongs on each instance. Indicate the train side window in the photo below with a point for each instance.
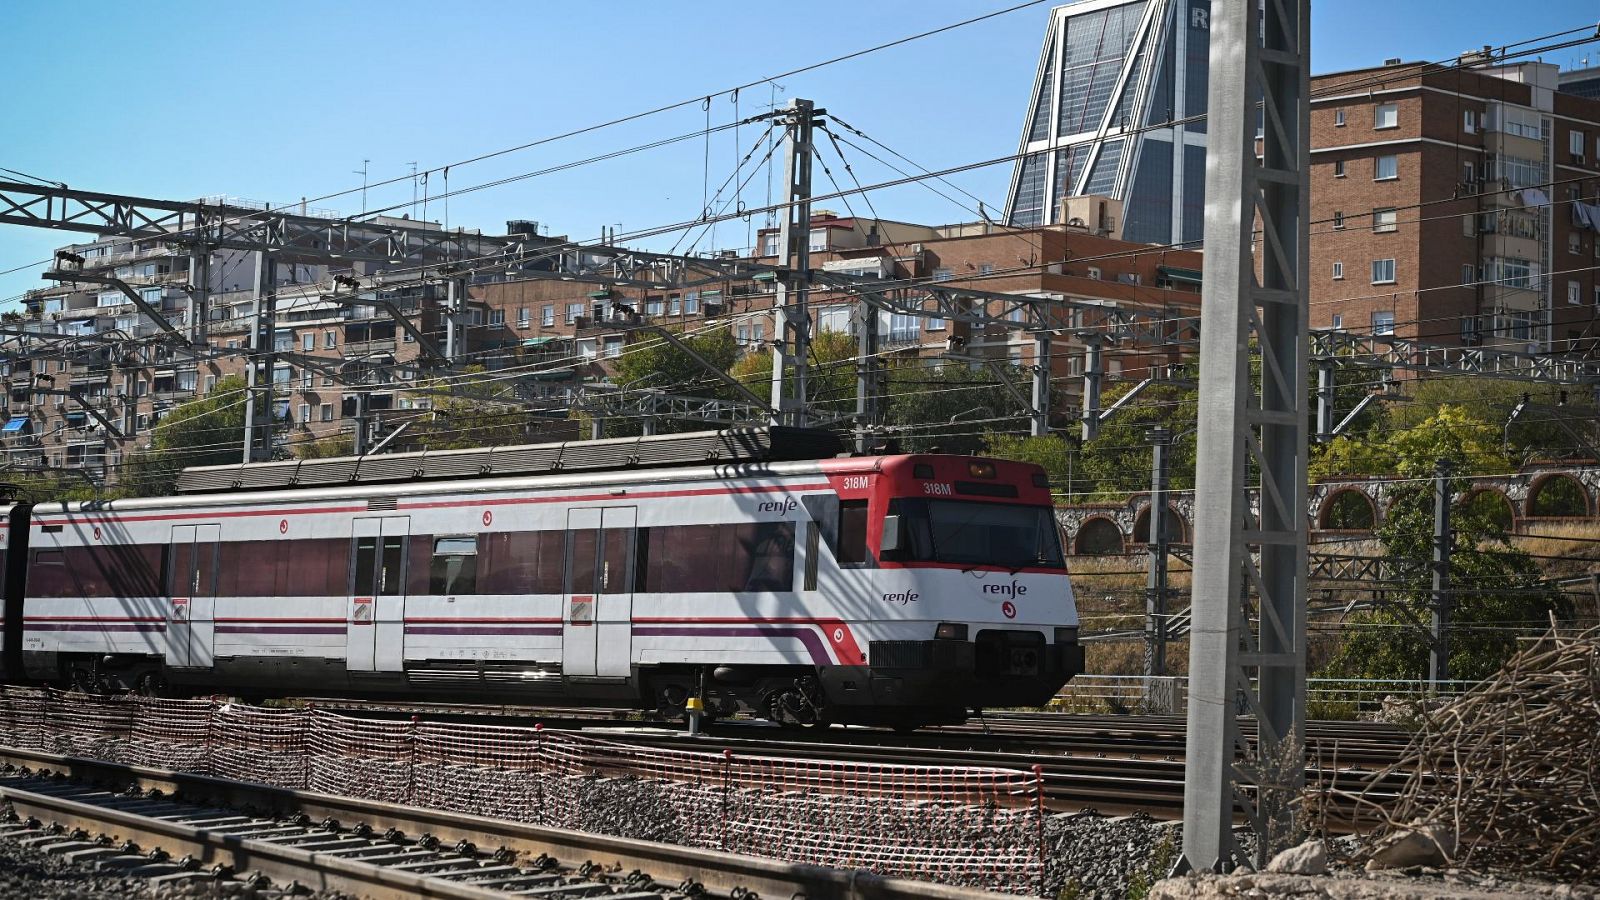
(392, 578)
(366, 566)
(454, 569)
(852, 548)
(812, 548)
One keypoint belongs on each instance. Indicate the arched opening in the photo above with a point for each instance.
(1097, 537)
(1174, 525)
(1558, 495)
(1348, 510)
(1493, 506)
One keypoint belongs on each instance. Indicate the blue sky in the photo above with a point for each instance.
(285, 100)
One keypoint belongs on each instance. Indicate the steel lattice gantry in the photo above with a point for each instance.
(289, 236)
(1247, 646)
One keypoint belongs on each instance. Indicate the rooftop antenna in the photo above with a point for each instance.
(413, 190)
(363, 173)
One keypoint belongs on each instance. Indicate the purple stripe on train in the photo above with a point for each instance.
(806, 636)
(280, 629)
(95, 626)
(516, 630)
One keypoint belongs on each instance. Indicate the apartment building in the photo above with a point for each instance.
(566, 332)
(81, 356)
(1457, 207)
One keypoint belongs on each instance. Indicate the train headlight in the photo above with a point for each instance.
(951, 631)
(1066, 634)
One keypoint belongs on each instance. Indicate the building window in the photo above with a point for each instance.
(1338, 117)
(305, 414)
(691, 303)
(769, 244)
(613, 348)
(1338, 219)
(211, 383)
(330, 339)
(674, 305)
(327, 381)
(1468, 275)
(1383, 322)
(1469, 172)
(819, 239)
(1574, 293)
(1338, 271)
(1383, 271)
(308, 341)
(1386, 115)
(497, 318)
(1338, 168)
(327, 412)
(1338, 321)
(1383, 220)
(305, 380)
(524, 317)
(1574, 243)
(547, 316)
(934, 323)
(986, 268)
(1576, 140)
(574, 310)
(943, 274)
(652, 306)
(1469, 121)
(1094, 272)
(1385, 168)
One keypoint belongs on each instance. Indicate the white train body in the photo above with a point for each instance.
(771, 587)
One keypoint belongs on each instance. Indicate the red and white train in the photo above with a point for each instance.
(893, 590)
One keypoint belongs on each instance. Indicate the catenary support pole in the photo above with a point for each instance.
(1039, 409)
(1326, 398)
(1155, 589)
(258, 372)
(1093, 374)
(1247, 641)
(867, 387)
(1442, 599)
(792, 317)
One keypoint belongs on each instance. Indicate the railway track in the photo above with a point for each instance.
(176, 827)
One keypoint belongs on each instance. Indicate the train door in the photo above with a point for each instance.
(597, 623)
(192, 594)
(376, 614)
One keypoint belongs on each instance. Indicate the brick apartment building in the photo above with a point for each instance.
(1456, 207)
(564, 320)
(557, 335)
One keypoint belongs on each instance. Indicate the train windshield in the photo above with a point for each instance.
(977, 534)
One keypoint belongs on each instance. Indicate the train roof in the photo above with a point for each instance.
(727, 446)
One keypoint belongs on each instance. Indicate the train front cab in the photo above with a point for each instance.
(968, 552)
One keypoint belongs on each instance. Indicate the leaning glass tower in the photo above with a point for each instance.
(1116, 82)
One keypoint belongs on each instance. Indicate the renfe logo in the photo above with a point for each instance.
(1006, 590)
(904, 598)
(781, 507)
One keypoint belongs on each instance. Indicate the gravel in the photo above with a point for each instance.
(36, 875)
(1094, 857)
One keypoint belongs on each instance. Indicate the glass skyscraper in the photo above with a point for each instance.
(1115, 81)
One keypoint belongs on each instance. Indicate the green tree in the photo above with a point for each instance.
(206, 431)
(1553, 426)
(1117, 460)
(929, 405)
(1449, 432)
(1498, 589)
(474, 409)
(653, 362)
(830, 379)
